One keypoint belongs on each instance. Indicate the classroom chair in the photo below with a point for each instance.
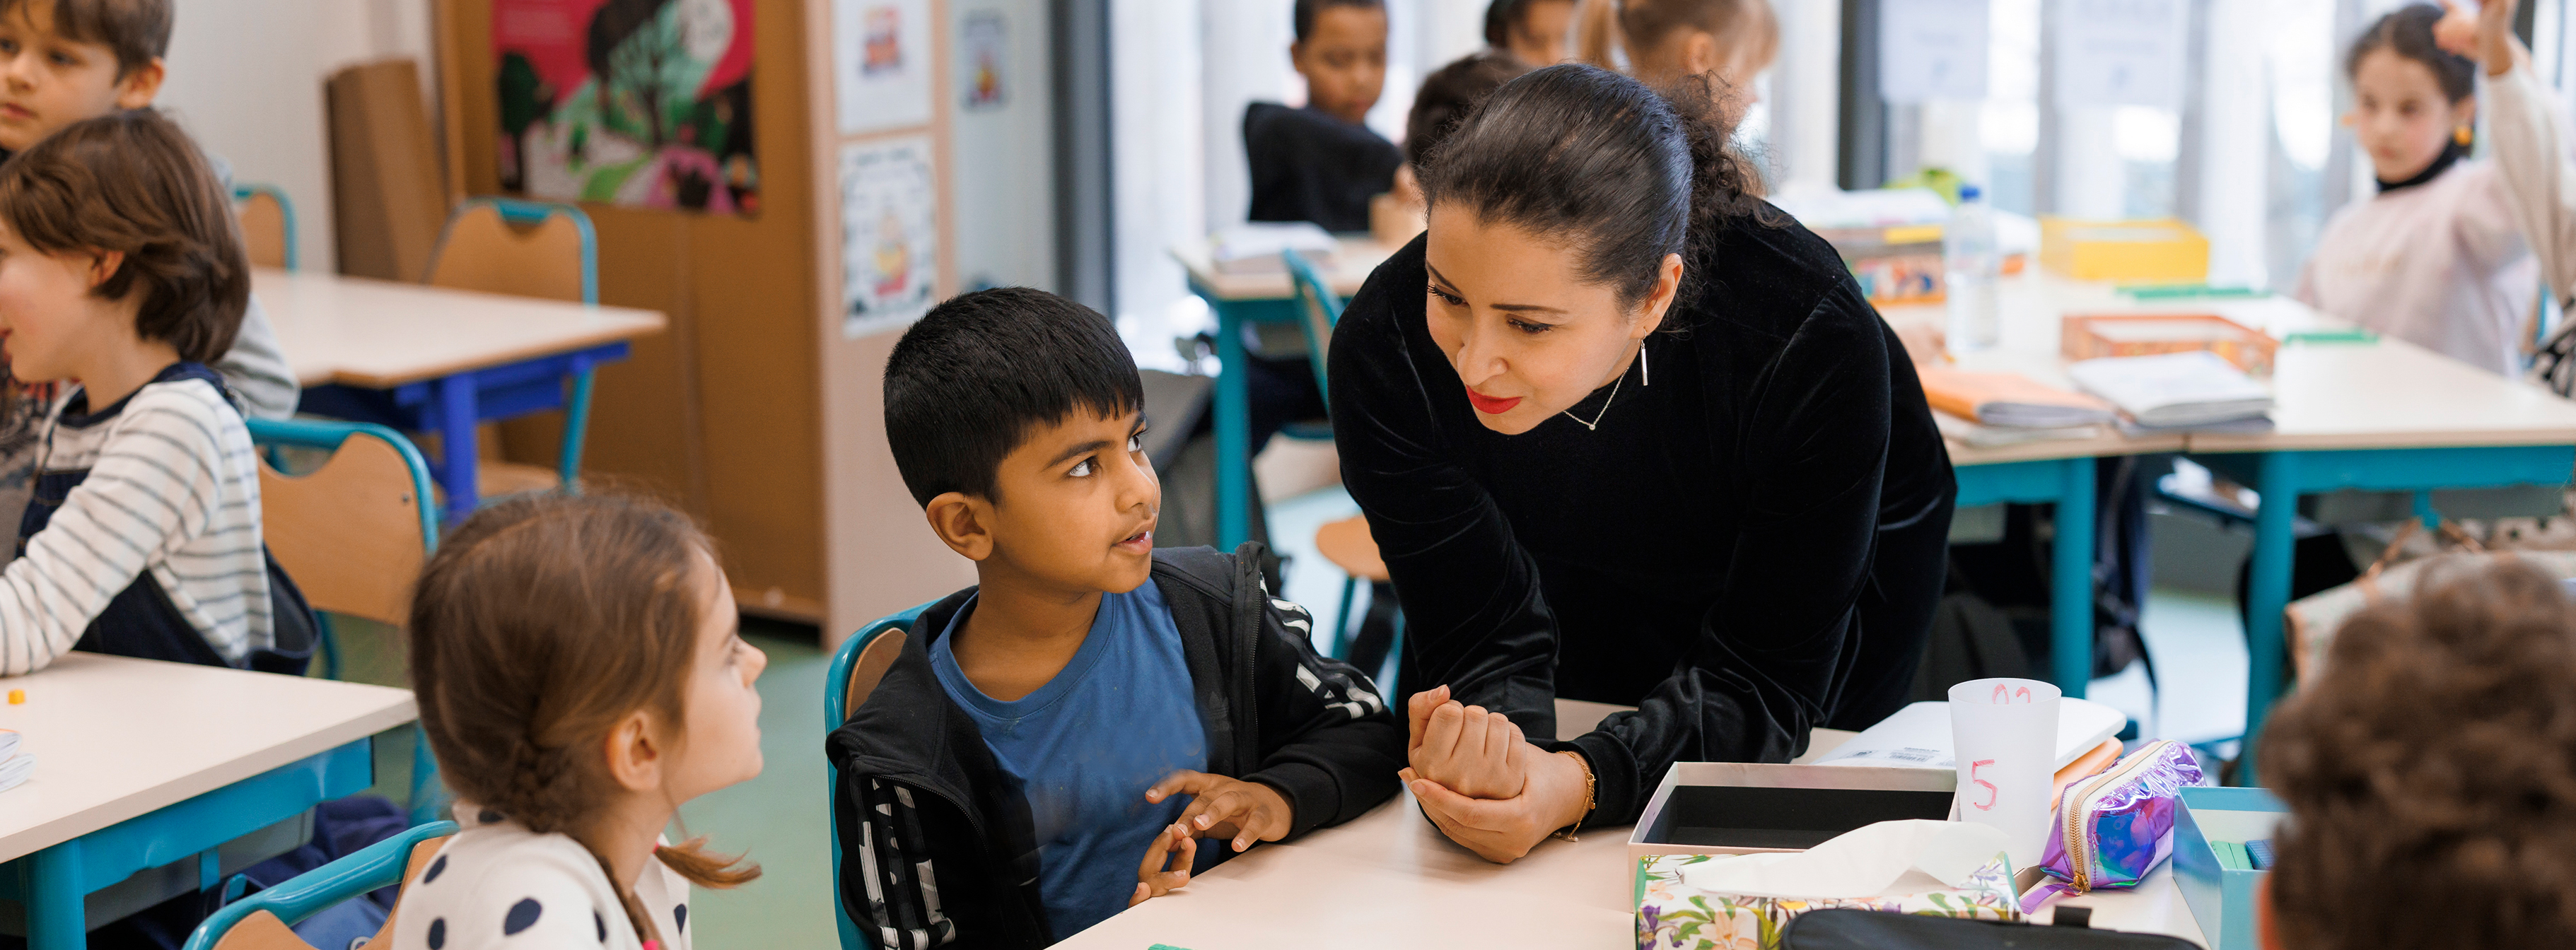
(261, 921)
(527, 249)
(1346, 543)
(267, 224)
(856, 668)
(352, 533)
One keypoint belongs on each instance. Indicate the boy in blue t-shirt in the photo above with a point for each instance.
(1020, 772)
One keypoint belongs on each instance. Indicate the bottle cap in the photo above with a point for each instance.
(1970, 193)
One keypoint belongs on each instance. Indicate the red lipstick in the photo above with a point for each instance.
(1490, 405)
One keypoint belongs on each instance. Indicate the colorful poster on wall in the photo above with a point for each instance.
(881, 64)
(984, 56)
(641, 103)
(889, 235)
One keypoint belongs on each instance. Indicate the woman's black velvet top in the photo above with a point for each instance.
(1712, 554)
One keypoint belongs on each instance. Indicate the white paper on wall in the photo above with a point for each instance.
(2120, 53)
(1932, 49)
(881, 61)
(889, 234)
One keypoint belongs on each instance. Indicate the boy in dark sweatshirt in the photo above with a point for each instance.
(1321, 163)
(1051, 743)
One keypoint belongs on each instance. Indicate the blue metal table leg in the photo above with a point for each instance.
(2267, 593)
(1233, 458)
(55, 918)
(2070, 614)
(456, 456)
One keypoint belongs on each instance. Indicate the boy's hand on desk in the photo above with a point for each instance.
(1503, 830)
(1475, 753)
(1254, 812)
(1152, 880)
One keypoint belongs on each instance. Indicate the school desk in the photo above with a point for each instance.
(1390, 879)
(433, 359)
(141, 763)
(1241, 301)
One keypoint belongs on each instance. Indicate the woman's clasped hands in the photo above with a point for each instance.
(1483, 783)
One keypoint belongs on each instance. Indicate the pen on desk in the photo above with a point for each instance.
(2345, 335)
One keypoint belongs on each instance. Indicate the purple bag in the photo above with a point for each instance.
(2114, 827)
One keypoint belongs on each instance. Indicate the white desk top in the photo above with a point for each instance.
(1390, 879)
(380, 334)
(115, 737)
(1359, 256)
(2388, 394)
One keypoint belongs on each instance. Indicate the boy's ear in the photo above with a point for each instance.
(634, 754)
(103, 265)
(139, 86)
(963, 522)
(1297, 56)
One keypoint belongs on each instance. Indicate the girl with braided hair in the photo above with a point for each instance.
(580, 676)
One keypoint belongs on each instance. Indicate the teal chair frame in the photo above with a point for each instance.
(577, 402)
(285, 205)
(377, 865)
(327, 435)
(1319, 310)
(836, 689)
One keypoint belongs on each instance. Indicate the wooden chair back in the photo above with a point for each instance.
(267, 227)
(350, 533)
(519, 248)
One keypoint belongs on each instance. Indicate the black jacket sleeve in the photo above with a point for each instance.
(1327, 741)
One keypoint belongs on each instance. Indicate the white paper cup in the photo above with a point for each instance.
(2005, 731)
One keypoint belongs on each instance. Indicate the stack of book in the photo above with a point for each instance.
(1253, 248)
(15, 766)
(1984, 410)
(2195, 391)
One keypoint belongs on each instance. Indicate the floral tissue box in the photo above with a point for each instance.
(1672, 915)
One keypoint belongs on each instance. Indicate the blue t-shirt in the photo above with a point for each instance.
(1087, 745)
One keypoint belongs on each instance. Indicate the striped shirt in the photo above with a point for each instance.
(173, 491)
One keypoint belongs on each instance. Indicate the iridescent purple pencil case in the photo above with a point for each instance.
(2115, 826)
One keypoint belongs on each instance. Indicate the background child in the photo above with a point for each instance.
(1532, 31)
(580, 677)
(2436, 258)
(1037, 733)
(1666, 40)
(1321, 163)
(63, 61)
(2428, 772)
(121, 267)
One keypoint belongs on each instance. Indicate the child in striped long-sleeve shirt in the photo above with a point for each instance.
(121, 269)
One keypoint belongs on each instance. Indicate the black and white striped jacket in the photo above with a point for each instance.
(937, 845)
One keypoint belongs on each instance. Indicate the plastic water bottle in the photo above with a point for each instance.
(1971, 268)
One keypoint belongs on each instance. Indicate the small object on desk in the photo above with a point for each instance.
(2173, 291)
(2231, 856)
(1894, 265)
(2346, 335)
(2094, 336)
(2009, 399)
(2259, 854)
(17, 696)
(15, 766)
(1977, 436)
(1918, 736)
(2174, 390)
(1703, 902)
(2162, 250)
(1254, 247)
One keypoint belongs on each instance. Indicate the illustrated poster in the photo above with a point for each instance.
(1932, 49)
(640, 103)
(881, 64)
(889, 235)
(2121, 53)
(984, 60)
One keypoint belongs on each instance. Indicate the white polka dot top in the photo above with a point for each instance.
(496, 884)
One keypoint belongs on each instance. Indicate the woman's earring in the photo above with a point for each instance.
(2463, 136)
(1645, 368)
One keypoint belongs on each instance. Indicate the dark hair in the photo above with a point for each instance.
(131, 182)
(1502, 15)
(2432, 764)
(1304, 14)
(542, 621)
(1447, 95)
(2408, 32)
(966, 384)
(138, 30)
(1622, 174)
(1645, 24)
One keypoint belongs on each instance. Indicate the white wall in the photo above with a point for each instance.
(1005, 195)
(246, 80)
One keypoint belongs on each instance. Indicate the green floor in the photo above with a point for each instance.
(779, 819)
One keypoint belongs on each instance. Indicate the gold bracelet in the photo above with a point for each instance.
(1590, 786)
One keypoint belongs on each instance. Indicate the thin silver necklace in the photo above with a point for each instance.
(1644, 370)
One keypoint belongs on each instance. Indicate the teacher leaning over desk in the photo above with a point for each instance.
(1625, 433)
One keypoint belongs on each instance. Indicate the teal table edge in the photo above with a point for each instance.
(2068, 483)
(2285, 475)
(1232, 406)
(52, 882)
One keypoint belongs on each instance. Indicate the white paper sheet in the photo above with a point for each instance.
(1918, 736)
(1885, 859)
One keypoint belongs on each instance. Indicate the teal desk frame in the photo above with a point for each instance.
(2067, 483)
(1233, 405)
(53, 883)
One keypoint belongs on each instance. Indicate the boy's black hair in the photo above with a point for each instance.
(2408, 32)
(966, 384)
(1308, 10)
(138, 30)
(1448, 94)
